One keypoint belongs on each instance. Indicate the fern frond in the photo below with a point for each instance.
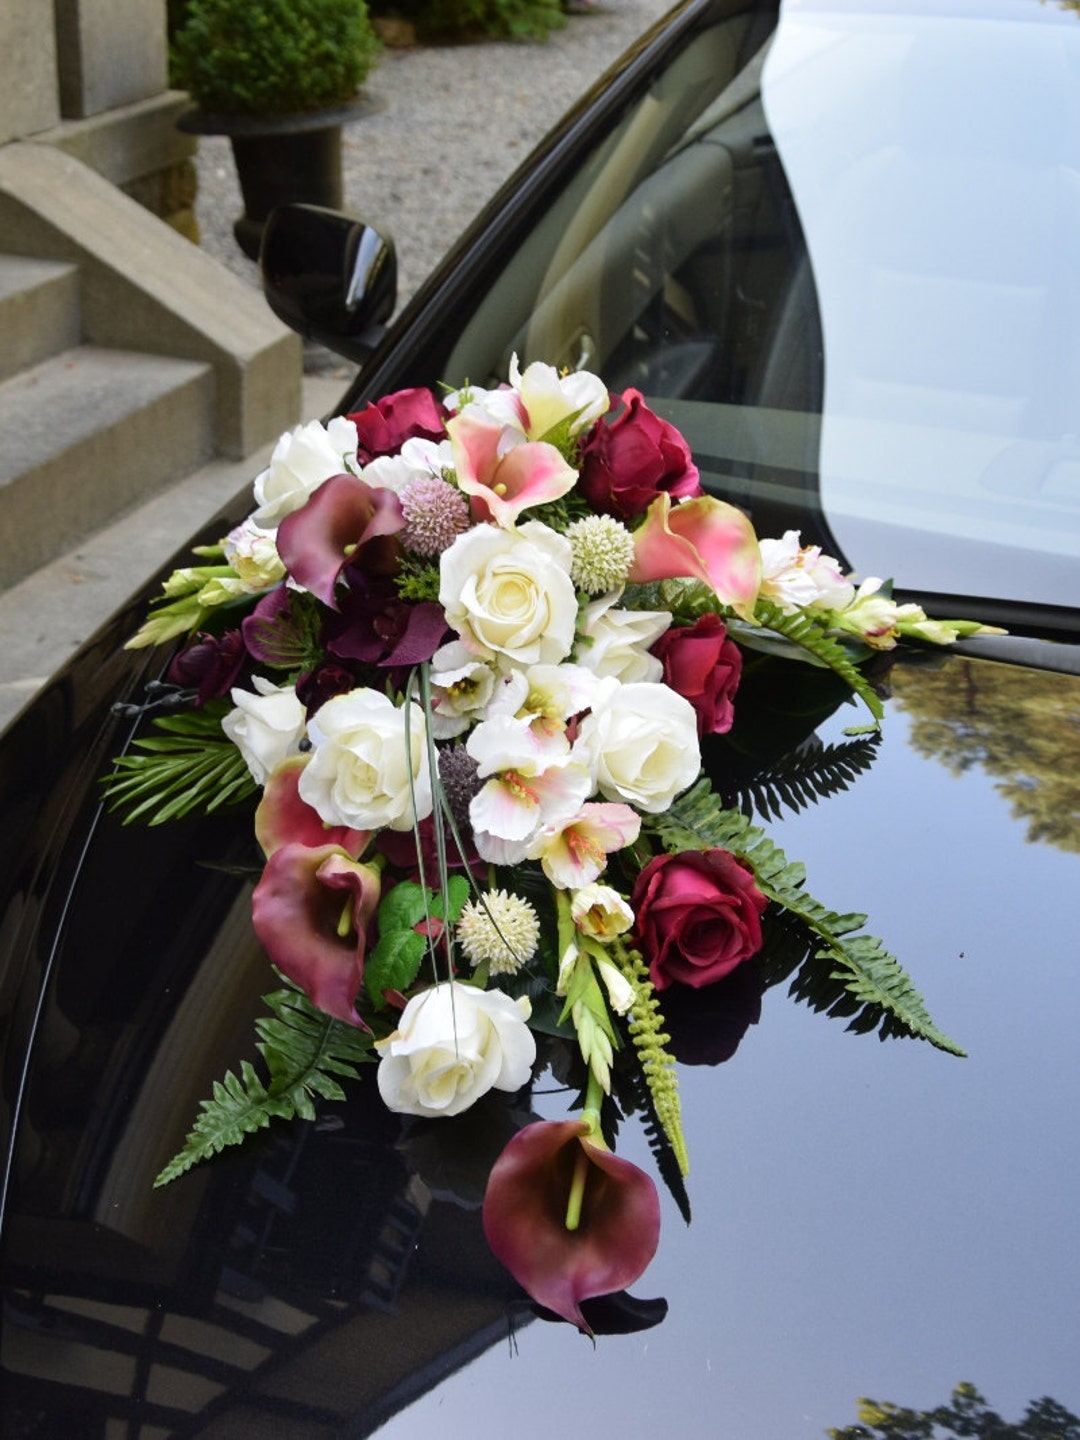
(802, 778)
(645, 1024)
(304, 1050)
(868, 973)
(807, 634)
(189, 766)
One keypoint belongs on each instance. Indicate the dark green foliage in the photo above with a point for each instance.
(810, 774)
(189, 766)
(468, 19)
(853, 974)
(807, 633)
(272, 57)
(304, 1050)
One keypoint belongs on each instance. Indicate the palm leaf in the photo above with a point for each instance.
(868, 975)
(189, 766)
(304, 1052)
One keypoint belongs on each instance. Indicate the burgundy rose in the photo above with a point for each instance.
(698, 916)
(628, 461)
(705, 667)
(384, 426)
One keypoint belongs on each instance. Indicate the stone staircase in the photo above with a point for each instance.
(85, 431)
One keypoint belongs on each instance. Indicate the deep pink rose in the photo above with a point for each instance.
(628, 461)
(704, 667)
(698, 916)
(384, 426)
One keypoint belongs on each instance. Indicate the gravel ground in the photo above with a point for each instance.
(457, 121)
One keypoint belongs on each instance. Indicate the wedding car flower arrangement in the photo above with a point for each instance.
(467, 651)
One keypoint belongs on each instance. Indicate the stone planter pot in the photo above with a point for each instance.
(281, 159)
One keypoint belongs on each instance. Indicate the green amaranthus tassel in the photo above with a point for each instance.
(646, 1030)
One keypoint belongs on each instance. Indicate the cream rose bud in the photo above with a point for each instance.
(508, 593)
(302, 460)
(453, 1044)
(369, 763)
(641, 742)
(266, 728)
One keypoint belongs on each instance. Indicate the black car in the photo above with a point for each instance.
(833, 243)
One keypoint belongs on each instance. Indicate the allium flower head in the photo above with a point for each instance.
(603, 551)
(502, 930)
(435, 515)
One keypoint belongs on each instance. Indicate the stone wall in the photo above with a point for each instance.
(90, 77)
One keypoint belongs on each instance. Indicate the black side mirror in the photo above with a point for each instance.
(329, 276)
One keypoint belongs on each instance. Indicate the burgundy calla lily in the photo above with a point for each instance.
(343, 517)
(282, 818)
(525, 1209)
(311, 912)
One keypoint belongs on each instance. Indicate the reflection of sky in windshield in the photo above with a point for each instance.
(868, 1218)
(934, 155)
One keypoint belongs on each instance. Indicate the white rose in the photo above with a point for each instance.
(453, 1044)
(369, 763)
(641, 741)
(618, 640)
(508, 593)
(266, 728)
(302, 460)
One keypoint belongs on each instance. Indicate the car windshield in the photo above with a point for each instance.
(866, 306)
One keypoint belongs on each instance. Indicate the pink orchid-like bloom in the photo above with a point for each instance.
(502, 472)
(282, 818)
(311, 911)
(525, 1208)
(574, 852)
(702, 539)
(343, 520)
(384, 425)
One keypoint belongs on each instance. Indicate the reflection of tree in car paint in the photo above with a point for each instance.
(1021, 728)
(967, 1414)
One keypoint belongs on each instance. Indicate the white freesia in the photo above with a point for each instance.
(303, 459)
(641, 741)
(796, 576)
(418, 459)
(508, 593)
(544, 695)
(600, 912)
(461, 688)
(551, 398)
(453, 1044)
(368, 767)
(253, 554)
(617, 641)
(267, 727)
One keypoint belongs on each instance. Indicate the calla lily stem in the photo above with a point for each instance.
(591, 1117)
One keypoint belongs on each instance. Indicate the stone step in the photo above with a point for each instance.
(86, 435)
(39, 311)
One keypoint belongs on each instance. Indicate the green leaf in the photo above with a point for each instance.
(304, 1052)
(190, 765)
(877, 992)
(393, 964)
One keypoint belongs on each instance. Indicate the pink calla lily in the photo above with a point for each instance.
(703, 539)
(343, 516)
(502, 472)
(311, 911)
(525, 1209)
(282, 818)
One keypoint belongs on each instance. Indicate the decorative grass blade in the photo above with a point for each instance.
(802, 778)
(801, 630)
(304, 1050)
(190, 766)
(860, 963)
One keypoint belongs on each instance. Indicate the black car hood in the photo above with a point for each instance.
(868, 1219)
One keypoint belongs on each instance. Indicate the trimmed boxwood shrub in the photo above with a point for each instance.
(272, 57)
